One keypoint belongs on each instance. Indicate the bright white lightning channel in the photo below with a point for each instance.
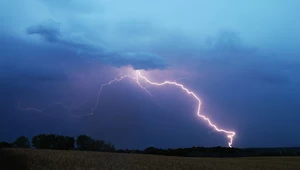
(229, 134)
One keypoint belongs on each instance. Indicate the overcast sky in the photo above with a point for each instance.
(239, 57)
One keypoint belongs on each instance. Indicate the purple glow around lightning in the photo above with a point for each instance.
(137, 78)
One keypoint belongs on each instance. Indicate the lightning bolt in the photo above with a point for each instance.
(230, 134)
(137, 78)
(45, 108)
(113, 81)
(54, 104)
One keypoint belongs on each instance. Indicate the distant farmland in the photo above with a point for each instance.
(77, 160)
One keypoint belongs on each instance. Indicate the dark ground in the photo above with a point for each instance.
(77, 160)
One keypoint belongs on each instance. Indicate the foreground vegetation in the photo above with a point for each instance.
(86, 143)
(77, 160)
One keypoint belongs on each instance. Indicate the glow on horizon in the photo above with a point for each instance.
(230, 134)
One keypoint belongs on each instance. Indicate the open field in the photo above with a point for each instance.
(77, 160)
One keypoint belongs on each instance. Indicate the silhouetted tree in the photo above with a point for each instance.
(21, 142)
(99, 145)
(108, 147)
(5, 145)
(52, 141)
(40, 142)
(64, 142)
(60, 142)
(151, 150)
(85, 142)
(70, 141)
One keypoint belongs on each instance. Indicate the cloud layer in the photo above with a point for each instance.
(50, 31)
(241, 58)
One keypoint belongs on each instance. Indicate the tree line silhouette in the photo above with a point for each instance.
(86, 143)
(59, 142)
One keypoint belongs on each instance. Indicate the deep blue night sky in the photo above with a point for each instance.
(241, 58)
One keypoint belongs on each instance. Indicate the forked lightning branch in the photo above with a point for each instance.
(138, 78)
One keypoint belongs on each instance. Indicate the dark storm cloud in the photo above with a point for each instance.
(25, 67)
(33, 75)
(226, 41)
(137, 60)
(37, 75)
(270, 73)
(50, 31)
(225, 56)
(247, 74)
(276, 79)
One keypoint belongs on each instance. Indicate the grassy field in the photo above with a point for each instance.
(77, 160)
